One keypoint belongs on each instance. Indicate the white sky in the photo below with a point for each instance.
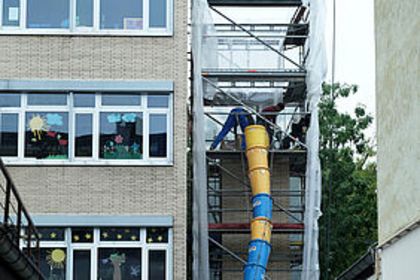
(355, 47)
(355, 51)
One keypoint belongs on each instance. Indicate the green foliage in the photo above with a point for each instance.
(348, 170)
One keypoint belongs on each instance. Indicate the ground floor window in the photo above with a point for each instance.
(83, 126)
(105, 253)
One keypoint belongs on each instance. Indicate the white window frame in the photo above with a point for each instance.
(95, 112)
(89, 31)
(97, 244)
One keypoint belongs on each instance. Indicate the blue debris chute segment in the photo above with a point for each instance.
(259, 248)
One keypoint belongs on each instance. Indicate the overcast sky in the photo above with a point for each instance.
(355, 50)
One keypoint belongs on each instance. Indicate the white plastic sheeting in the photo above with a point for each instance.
(201, 23)
(316, 71)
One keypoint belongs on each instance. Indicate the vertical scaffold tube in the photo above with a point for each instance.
(259, 248)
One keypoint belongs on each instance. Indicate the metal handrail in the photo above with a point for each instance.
(14, 220)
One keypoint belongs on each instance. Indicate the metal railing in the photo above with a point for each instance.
(17, 225)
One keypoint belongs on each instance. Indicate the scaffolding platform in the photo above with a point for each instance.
(265, 75)
(256, 3)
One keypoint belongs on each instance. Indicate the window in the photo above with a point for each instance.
(84, 13)
(9, 134)
(137, 17)
(47, 13)
(105, 253)
(82, 127)
(122, 14)
(11, 11)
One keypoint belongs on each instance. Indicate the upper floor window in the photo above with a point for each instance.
(119, 17)
(82, 126)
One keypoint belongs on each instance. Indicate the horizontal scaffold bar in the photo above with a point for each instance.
(245, 227)
(286, 75)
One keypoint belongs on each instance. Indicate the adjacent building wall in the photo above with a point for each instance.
(398, 106)
(108, 190)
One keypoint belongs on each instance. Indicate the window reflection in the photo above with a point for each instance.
(8, 135)
(121, 99)
(11, 10)
(158, 135)
(84, 13)
(9, 100)
(157, 13)
(81, 265)
(121, 14)
(51, 99)
(48, 13)
(83, 145)
(157, 265)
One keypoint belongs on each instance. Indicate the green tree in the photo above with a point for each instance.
(349, 222)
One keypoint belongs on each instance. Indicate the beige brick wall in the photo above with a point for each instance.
(239, 242)
(398, 107)
(108, 190)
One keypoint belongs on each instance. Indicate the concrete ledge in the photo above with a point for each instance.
(82, 85)
(98, 221)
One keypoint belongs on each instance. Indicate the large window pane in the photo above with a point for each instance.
(11, 12)
(43, 99)
(121, 135)
(119, 263)
(9, 100)
(46, 135)
(53, 263)
(157, 101)
(9, 135)
(83, 145)
(81, 265)
(121, 99)
(157, 13)
(84, 100)
(48, 13)
(157, 265)
(121, 14)
(84, 13)
(158, 135)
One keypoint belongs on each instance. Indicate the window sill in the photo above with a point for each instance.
(93, 163)
(102, 33)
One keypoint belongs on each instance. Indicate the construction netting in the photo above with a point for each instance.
(316, 68)
(218, 47)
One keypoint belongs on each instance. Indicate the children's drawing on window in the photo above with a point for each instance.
(121, 135)
(47, 135)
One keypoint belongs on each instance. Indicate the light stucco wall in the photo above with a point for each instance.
(398, 114)
(401, 259)
(108, 190)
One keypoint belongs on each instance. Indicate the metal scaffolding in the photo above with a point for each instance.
(255, 65)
